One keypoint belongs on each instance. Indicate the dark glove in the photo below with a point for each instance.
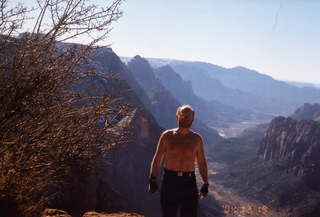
(153, 186)
(204, 189)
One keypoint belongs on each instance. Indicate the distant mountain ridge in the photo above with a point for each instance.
(241, 87)
(220, 97)
(302, 84)
(211, 113)
(158, 62)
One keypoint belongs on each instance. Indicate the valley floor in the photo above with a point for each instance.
(232, 203)
(236, 129)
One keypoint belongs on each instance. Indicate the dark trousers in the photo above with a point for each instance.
(179, 192)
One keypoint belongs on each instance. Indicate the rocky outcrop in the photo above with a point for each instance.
(295, 146)
(54, 213)
(307, 112)
(130, 164)
(120, 214)
(163, 104)
(61, 213)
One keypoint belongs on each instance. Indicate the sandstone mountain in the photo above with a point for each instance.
(295, 145)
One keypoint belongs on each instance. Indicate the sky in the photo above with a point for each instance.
(280, 38)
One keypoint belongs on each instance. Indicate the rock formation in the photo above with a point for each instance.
(307, 112)
(295, 146)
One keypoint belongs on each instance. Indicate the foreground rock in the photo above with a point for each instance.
(54, 213)
(61, 213)
(120, 214)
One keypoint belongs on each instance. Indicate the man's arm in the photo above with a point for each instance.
(158, 157)
(202, 163)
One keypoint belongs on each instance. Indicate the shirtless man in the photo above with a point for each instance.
(177, 150)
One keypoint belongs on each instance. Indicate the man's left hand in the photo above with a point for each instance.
(204, 189)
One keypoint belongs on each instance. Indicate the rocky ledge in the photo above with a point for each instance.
(61, 213)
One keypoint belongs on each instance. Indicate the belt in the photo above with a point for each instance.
(178, 173)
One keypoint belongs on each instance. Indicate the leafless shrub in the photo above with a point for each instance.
(48, 128)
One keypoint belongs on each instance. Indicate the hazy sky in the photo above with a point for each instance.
(279, 38)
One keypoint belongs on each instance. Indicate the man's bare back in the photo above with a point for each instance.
(181, 150)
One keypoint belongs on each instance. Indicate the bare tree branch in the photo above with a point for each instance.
(48, 125)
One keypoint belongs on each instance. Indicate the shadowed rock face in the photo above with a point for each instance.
(129, 163)
(295, 146)
(163, 104)
(307, 112)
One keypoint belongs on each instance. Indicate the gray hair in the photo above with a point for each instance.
(183, 107)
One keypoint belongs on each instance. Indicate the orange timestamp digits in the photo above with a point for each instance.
(245, 209)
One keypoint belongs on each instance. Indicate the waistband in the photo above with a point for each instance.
(178, 173)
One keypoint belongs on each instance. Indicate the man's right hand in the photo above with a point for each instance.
(153, 186)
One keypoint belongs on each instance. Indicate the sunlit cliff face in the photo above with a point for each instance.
(185, 118)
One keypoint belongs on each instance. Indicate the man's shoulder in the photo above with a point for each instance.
(168, 132)
(196, 134)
